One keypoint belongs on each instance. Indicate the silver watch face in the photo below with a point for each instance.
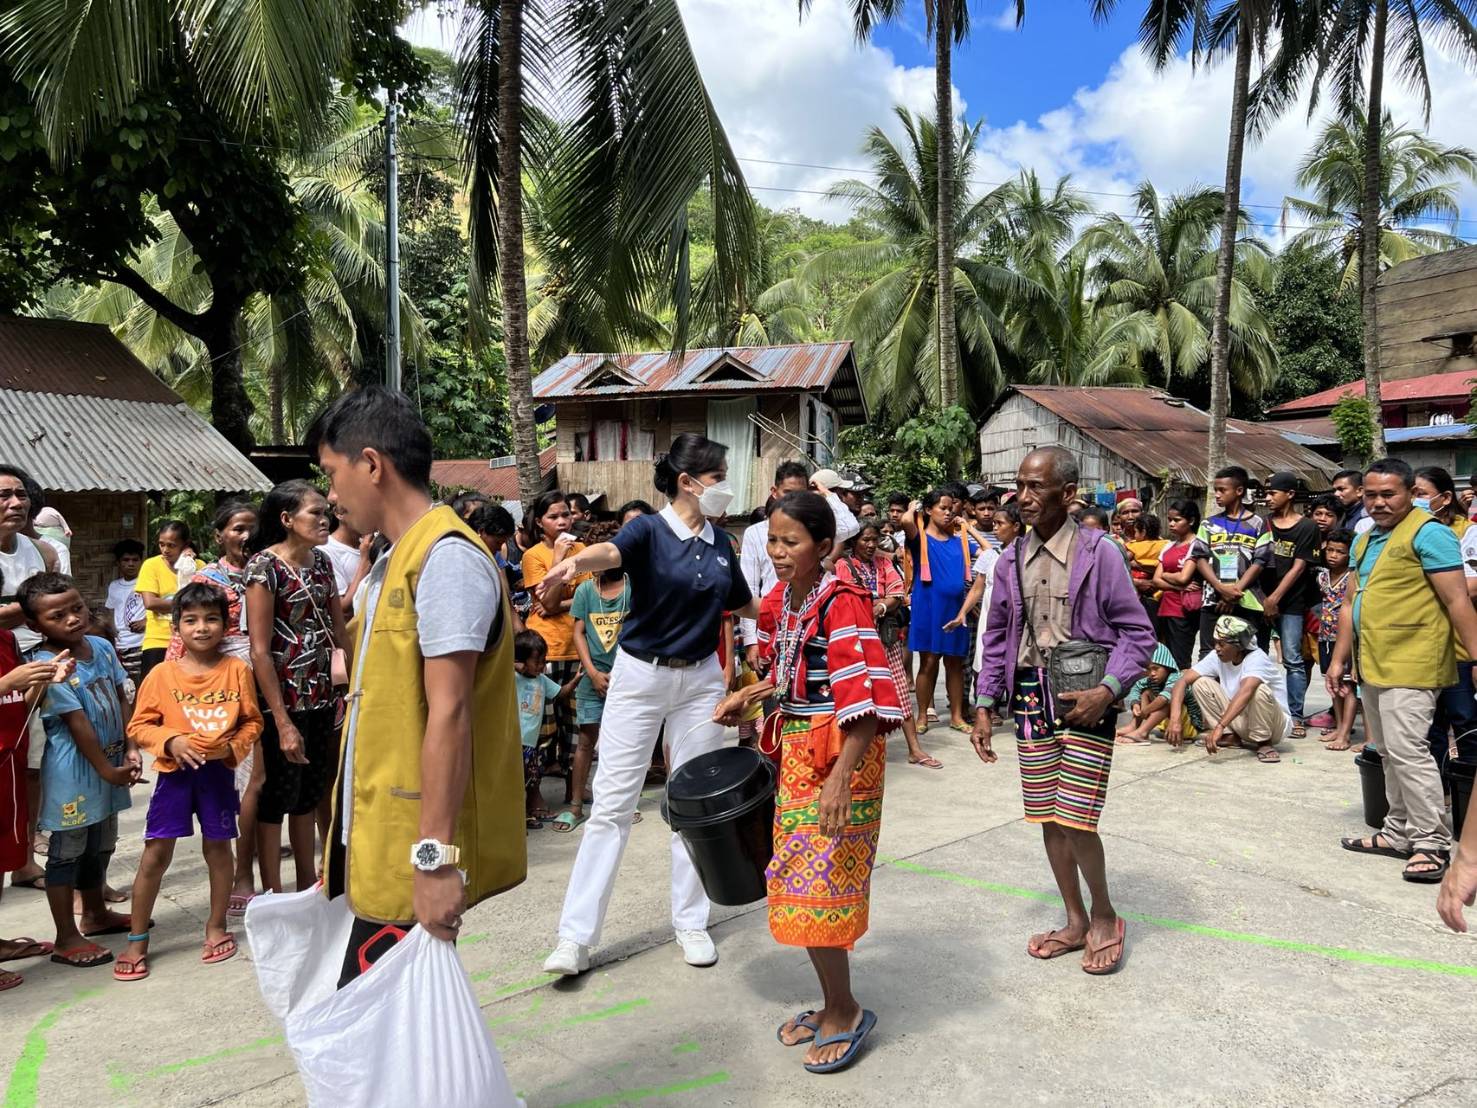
(427, 855)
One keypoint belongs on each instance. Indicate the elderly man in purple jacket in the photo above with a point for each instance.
(1074, 586)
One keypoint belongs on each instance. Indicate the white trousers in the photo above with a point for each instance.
(641, 698)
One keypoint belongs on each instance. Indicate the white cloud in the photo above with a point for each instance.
(1005, 21)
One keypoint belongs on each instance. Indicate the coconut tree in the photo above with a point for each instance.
(638, 137)
(1360, 38)
(1240, 28)
(892, 319)
(1420, 184)
(1158, 269)
(948, 23)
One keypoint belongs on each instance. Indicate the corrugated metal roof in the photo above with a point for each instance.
(1163, 436)
(499, 482)
(804, 367)
(92, 444)
(1438, 432)
(1433, 386)
(74, 359)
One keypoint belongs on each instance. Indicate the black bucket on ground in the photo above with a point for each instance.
(722, 804)
(1459, 776)
(1372, 782)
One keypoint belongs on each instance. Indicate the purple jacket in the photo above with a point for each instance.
(1105, 609)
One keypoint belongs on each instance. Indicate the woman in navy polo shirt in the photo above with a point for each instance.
(683, 576)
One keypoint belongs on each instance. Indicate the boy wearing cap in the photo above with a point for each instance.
(1148, 701)
(1291, 584)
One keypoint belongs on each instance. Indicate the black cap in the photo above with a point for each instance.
(1283, 482)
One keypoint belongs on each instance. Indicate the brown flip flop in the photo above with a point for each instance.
(1116, 963)
(1051, 937)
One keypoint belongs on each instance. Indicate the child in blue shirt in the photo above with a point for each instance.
(535, 688)
(89, 767)
(1148, 700)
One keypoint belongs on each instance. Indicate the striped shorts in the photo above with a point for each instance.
(1064, 770)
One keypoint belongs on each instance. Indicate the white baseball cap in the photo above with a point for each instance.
(830, 479)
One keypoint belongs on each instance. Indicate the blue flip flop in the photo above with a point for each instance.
(855, 1038)
(802, 1019)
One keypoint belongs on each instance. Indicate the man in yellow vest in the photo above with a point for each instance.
(428, 809)
(1402, 605)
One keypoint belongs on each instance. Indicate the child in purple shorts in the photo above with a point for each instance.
(199, 717)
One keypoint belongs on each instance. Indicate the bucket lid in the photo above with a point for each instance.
(720, 783)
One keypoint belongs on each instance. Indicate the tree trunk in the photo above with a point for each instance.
(1225, 263)
(510, 246)
(1369, 226)
(948, 337)
(230, 407)
(274, 401)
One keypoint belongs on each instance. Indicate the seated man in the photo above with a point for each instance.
(1149, 699)
(1239, 690)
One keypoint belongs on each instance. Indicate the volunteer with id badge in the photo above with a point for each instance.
(666, 681)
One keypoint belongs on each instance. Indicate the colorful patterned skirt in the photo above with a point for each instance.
(1064, 770)
(820, 888)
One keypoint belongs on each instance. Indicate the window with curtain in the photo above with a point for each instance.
(729, 423)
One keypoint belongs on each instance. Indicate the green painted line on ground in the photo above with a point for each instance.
(519, 986)
(25, 1075)
(605, 1013)
(471, 940)
(687, 1048)
(625, 1096)
(1343, 954)
(121, 1082)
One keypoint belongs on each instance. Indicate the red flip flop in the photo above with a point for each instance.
(1116, 963)
(28, 948)
(219, 951)
(84, 957)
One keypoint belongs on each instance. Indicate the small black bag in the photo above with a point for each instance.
(893, 626)
(1073, 666)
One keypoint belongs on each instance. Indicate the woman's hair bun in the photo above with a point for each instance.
(664, 475)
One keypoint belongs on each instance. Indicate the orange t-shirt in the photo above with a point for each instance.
(558, 631)
(215, 709)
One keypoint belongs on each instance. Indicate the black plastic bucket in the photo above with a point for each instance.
(722, 804)
(1372, 782)
(1459, 775)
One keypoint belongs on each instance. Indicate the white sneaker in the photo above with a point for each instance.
(697, 948)
(569, 958)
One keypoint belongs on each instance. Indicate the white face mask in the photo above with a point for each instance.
(714, 500)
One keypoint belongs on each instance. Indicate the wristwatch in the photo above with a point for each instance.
(429, 855)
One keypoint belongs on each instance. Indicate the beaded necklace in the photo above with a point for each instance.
(790, 637)
(866, 574)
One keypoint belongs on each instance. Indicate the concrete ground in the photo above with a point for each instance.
(1265, 966)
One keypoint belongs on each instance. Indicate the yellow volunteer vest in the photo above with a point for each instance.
(1404, 635)
(385, 815)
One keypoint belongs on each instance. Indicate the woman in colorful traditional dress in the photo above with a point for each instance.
(837, 700)
(866, 567)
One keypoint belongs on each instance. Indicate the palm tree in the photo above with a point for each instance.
(1241, 27)
(1358, 35)
(1158, 270)
(638, 137)
(948, 23)
(892, 319)
(1420, 182)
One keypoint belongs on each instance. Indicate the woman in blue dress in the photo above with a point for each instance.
(943, 564)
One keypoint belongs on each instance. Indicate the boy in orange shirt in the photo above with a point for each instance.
(198, 717)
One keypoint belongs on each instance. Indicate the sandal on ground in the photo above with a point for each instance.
(853, 1051)
(928, 761)
(238, 903)
(1299, 731)
(1371, 844)
(532, 823)
(213, 952)
(1117, 963)
(1338, 745)
(1039, 950)
(37, 883)
(1268, 755)
(84, 957)
(1439, 859)
(131, 969)
(802, 1019)
(10, 980)
(962, 728)
(22, 948)
(565, 822)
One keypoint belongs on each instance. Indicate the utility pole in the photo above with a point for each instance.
(392, 250)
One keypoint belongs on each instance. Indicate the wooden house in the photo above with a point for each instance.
(1133, 440)
(616, 412)
(100, 433)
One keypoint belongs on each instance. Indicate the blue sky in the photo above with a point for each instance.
(1062, 95)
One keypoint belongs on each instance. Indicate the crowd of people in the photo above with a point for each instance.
(266, 680)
